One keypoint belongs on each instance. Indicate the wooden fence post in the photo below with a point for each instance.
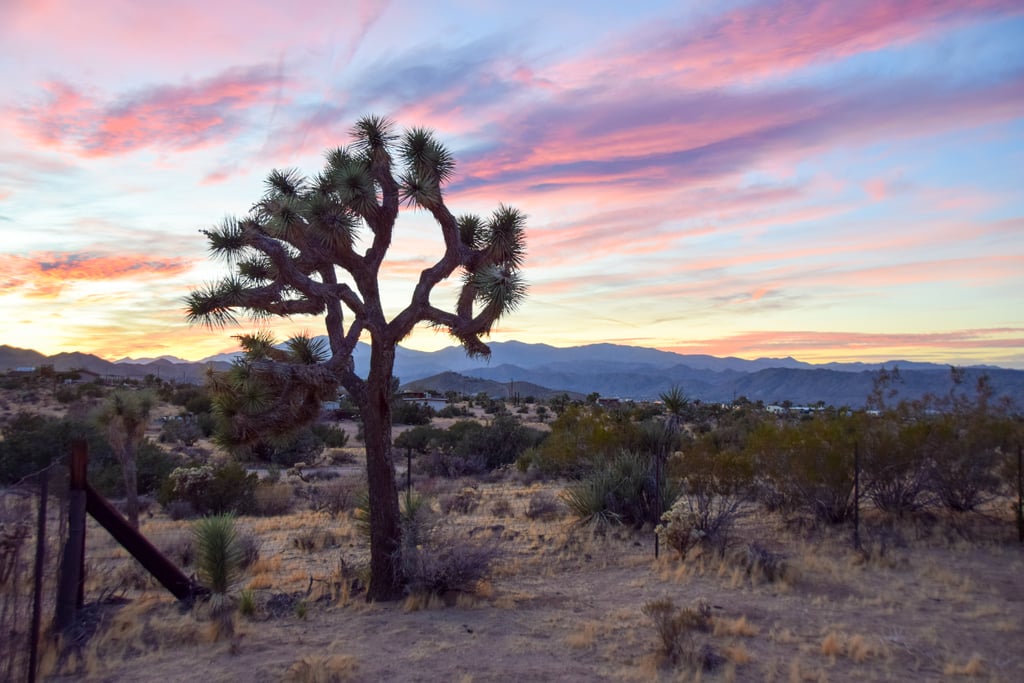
(70, 590)
(37, 604)
(856, 495)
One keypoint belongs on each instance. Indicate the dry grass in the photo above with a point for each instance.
(566, 602)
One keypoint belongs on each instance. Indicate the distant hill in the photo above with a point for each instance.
(611, 370)
(471, 386)
(179, 371)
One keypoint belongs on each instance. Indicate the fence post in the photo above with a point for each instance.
(856, 495)
(1020, 494)
(37, 605)
(70, 591)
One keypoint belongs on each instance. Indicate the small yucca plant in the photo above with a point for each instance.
(218, 552)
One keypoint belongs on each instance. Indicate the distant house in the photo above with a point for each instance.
(424, 398)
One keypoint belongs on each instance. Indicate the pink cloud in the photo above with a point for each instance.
(45, 274)
(172, 117)
(771, 38)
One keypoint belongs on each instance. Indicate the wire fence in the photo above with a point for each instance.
(33, 531)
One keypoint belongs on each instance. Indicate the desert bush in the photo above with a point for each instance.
(249, 550)
(762, 563)
(302, 446)
(693, 521)
(272, 499)
(410, 413)
(717, 479)
(676, 628)
(581, 438)
(501, 508)
(542, 505)
(335, 496)
(439, 463)
(314, 539)
(180, 431)
(894, 463)
(179, 549)
(463, 502)
(454, 410)
(318, 668)
(809, 464)
(621, 490)
(210, 490)
(420, 438)
(963, 457)
(332, 436)
(446, 564)
(30, 442)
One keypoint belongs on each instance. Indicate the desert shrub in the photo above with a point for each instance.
(228, 488)
(421, 438)
(302, 446)
(454, 410)
(66, 395)
(676, 628)
(179, 549)
(271, 499)
(180, 431)
(963, 456)
(501, 508)
(762, 563)
(499, 443)
(621, 490)
(332, 437)
(153, 465)
(463, 502)
(321, 668)
(580, 438)
(314, 539)
(809, 464)
(440, 463)
(335, 496)
(542, 505)
(30, 442)
(698, 521)
(894, 462)
(446, 564)
(410, 413)
(468, 447)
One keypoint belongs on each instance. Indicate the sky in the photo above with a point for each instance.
(829, 181)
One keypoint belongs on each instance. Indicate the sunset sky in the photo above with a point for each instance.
(822, 180)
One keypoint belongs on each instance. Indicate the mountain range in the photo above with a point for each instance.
(611, 370)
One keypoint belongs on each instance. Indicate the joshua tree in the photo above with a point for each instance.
(125, 415)
(295, 253)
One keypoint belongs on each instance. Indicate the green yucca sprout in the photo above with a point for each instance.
(218, 553)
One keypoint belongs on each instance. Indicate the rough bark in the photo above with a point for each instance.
(385, 521)
(130, 470)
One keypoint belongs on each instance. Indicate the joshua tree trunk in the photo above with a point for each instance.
(130, 469)
(385, 529)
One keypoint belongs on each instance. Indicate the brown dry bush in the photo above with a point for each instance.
(463, 502)
(676, 629)
(272, 500)
(544, 506)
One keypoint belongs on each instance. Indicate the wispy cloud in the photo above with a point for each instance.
(47, 274)
(178, 117)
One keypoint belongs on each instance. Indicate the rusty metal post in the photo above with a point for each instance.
(72, 570)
